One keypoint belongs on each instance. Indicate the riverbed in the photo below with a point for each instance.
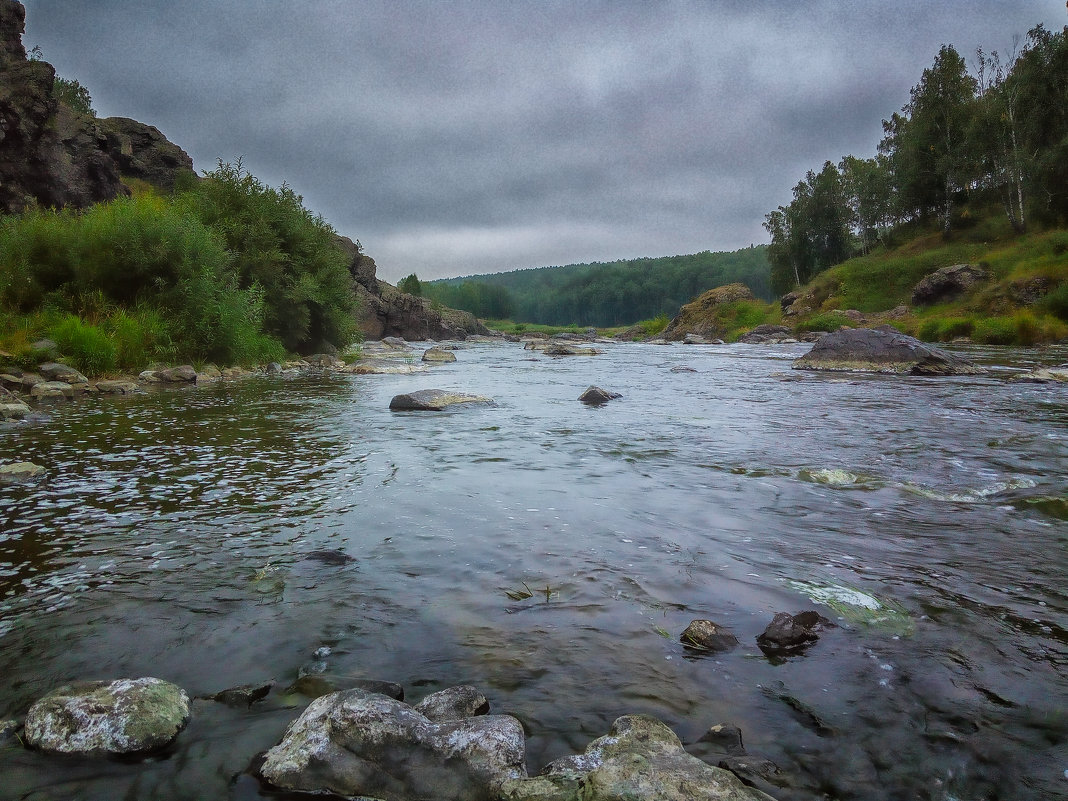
(551, 553)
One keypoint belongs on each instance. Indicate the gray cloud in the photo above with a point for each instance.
(453, 138)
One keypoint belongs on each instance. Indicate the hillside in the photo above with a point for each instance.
(604, 294)
(987, 284)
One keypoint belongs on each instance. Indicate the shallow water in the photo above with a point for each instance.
(926, 516)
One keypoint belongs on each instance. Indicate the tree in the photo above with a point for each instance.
(411, 285)
(928, 144)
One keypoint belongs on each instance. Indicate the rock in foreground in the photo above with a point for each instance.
(704, 635)
(355, 743)
(432, 400)
(879, 350)
(639, 759)
(125, 716)
(790, 633)
(20, 471)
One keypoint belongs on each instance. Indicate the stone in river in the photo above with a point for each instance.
(453, 703)
(20, 471)
(124, 716)
(595, 395)
(882, 350)
(438, 354)
(787, 633)
(640, 759)
(356, 743)
(432, 400)
(704, 635)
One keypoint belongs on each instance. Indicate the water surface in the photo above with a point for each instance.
(929, 515)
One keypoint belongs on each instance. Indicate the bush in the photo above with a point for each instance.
(945, 329)
(1056, 302)
(88, 348)
(825, 321)
(656, 325)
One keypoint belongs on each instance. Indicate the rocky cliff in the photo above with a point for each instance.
(702, 317)
(53, 156)
(385, 311)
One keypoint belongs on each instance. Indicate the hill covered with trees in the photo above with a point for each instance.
(603, 294)
(968, 144)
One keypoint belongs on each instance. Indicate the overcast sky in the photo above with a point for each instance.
(454, 138)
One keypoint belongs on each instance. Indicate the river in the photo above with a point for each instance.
(927, 517)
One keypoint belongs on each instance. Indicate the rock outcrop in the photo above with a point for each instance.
(355, 743)
(881, 350)
(947, 283)
(125, 716)
(56, 157)
(385, 311)
(640, 758)
(699, 316)
(767, 334)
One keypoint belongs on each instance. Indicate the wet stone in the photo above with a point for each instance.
(595, 395)
(454, 703)
(790, 633)
(704, 635)
(244, 695)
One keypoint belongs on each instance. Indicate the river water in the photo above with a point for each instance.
(927, 517)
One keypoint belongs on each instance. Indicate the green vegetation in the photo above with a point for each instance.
(602, 295)
(227, 270)
(73, 95)
(962, 146)
(411, 284)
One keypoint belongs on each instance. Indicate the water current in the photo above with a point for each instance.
(927, 517)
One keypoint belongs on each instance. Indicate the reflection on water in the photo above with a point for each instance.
(925, 516)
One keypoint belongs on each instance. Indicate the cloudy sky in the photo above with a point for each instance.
(454, 138)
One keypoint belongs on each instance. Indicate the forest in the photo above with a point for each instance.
(970, 140)
(601, 294)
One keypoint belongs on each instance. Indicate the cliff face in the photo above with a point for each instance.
(54, 157)
(385, 311)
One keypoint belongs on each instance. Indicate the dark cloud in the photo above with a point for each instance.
(453, 138)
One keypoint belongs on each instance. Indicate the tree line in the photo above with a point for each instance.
(995, 134)
(602, 294)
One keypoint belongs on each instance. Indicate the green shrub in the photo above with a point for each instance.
(825, 321)
(937, 329)
(139, 338)
(656, 325)
(1056, 302)
(995, 331)
(88, 348)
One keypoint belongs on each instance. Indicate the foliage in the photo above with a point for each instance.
(603, 294)
(411, 285)
(825, 321)
(90, 350)
(939, 329)
(282, 253)
(656, 325)
(960, 143)
(73, 95)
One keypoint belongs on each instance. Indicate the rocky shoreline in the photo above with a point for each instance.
(364, 741)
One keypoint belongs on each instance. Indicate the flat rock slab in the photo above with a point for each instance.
(355, 743)
(125, 716)
(52, 390)
(878, 350)
(116, 387)
(432, 400)
(53, 371)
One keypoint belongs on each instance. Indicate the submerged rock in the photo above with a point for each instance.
(1045, 375)
(125, 716)
(563, 349)
(355, 743)
(704, 635)
(116, 387)
(882, 350)
(329, 556)
(595, 395)
(20, 471)
(243, 696)
(789, 633)
(640, 758)
(316, 685)
(432, 400)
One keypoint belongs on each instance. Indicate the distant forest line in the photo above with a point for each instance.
(601, 294)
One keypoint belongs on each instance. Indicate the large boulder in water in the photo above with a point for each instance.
(882, 350)
(432, 400)
(125, 716)
(356, 743)
(640, 758)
